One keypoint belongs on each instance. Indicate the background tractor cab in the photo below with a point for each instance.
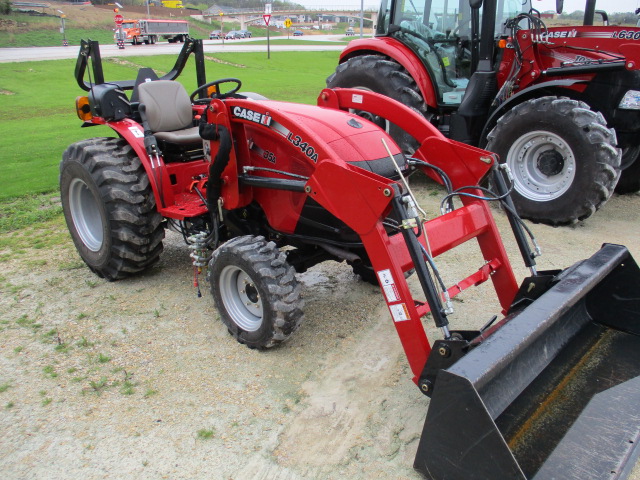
(559, 105)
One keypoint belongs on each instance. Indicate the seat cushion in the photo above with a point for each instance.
(181, 137)
(168, 106)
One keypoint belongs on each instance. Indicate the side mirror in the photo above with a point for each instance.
(559, 5)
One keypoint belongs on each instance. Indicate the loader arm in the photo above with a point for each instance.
(534, 395)
(392, 256)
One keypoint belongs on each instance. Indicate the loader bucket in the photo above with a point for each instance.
(554, 393)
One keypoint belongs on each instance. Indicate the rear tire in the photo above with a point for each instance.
(562, 157)
(384, 76)
(630, 177)
(256, 291)
(109, 207)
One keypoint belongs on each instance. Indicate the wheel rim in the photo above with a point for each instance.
(241, 298)
(629, 156)
(543, 166)
(86, 215)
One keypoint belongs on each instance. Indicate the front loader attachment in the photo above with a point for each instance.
(553, 392)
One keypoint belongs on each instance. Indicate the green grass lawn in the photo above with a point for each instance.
(37, 104)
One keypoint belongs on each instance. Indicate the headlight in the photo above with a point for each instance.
(630, 101)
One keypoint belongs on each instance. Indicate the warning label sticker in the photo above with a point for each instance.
(136, 132)
(391, 293)
(399, 312)
(388, 285)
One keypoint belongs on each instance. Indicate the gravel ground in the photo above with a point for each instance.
(139, 378)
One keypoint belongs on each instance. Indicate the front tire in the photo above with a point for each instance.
(256, 291)
(109, 208)
(562, 157)
(384, 76)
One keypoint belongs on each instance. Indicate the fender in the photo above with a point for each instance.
(400, 53)
(521, 96)
(133, 133)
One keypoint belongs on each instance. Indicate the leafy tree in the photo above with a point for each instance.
(5, 7)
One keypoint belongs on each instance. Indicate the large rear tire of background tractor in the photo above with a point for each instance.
(255, 291)
(562, 157)
(381, 75)
(109, 207)
(630, 177)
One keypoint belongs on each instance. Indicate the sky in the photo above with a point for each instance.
(611, 6)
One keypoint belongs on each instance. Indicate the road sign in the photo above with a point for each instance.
(267, 18)
(118, 19)
(287, 23)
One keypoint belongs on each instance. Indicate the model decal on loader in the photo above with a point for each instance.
(626, 35)
(305, 147)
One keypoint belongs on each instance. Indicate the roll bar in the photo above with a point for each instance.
(90, 49)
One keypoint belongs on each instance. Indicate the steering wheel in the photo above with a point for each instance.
(216, 83)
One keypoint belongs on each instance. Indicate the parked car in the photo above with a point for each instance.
(245, 33)
(232, 34)
(349, 32)
(297, 33)
(215, 35)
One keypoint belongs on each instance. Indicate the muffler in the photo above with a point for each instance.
(554, 392)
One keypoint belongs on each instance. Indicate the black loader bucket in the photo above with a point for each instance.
(554, 393)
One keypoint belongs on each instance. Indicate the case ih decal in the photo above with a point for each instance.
(573, 33)
(252, 116)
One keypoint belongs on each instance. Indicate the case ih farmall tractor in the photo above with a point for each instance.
(262, 190)
(558, 105)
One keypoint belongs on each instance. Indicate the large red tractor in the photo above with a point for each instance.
(560, 106)
(264, 189)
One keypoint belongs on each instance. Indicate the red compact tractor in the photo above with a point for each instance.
(560, 106)
(264, 189)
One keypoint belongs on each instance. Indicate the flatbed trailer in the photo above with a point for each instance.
(149, 31)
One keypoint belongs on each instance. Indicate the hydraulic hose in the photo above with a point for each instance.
(219, 163)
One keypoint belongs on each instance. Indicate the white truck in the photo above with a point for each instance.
(149, 31)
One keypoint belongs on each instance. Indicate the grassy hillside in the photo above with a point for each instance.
(81, 21)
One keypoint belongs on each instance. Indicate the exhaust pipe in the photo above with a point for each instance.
(554, 393)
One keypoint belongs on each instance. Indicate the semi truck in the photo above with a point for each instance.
(149, 31)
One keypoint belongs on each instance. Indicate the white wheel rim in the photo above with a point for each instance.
(543, 166)
(241, 298)
(86, 215)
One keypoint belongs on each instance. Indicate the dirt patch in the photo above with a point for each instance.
(223, 62)
(140, 379)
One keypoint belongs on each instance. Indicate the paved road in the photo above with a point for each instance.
(324, 43)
